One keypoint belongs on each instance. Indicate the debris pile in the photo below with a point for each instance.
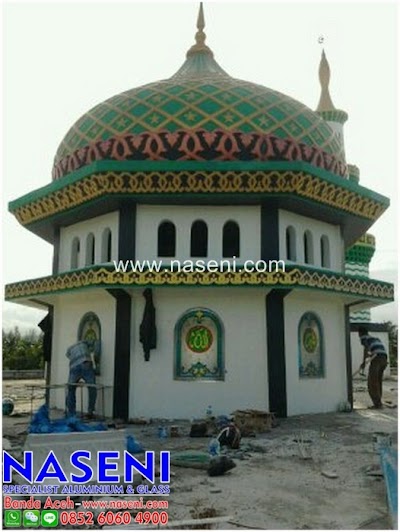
(251, 422)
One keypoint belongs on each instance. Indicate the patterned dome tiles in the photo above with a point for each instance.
(166, 120)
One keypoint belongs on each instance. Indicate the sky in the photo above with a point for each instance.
(61, 59)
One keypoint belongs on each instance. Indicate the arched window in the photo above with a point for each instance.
(166, 239)
(325, 252)
(311, 346)
(106, 245)
(291, 243)
(75, 251)
(231, 240)
(199, 346)
(89, 249)
(199, 239)
(308, 248)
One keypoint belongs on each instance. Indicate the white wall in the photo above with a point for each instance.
(310, 395)
(150, 216)
(68, 311)
(317, 228)
(155, 393)
(153, 390)
(357, 350)
(81, 230)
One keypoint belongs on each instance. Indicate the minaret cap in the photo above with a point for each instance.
(200, 36)
(325, 101)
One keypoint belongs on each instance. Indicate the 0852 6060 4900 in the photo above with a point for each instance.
(113, 518)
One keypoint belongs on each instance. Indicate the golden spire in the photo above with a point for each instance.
(325, 101)
(200, 36)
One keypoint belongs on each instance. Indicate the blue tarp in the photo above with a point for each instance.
(41, 424)
(389, 467)
(133, 446)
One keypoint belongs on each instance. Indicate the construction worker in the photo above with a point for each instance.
(375, 350)
(81, 366)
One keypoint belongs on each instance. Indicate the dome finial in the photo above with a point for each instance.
(325, 101)
(200, 36)
(200, 19)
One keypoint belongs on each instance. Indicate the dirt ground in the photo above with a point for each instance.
(278, 483)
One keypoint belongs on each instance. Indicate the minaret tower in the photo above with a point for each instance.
(335, 117)
(358, 258)
(360, 254)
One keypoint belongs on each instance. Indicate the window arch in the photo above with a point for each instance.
(311, 346)
(166, 239)
(199, 346)
(199, 239)
(106, 245)
(75, 252)
(231, 240)
(308, 247)
(291, 252)
(89, 260)
(325, 252)
(89, 330)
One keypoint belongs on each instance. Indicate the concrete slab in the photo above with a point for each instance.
(63, 445)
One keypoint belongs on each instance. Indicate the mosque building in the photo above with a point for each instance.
(206, 167)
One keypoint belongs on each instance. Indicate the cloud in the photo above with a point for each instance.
(389, 311)
(25, 318)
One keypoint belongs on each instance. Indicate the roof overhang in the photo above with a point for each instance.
(355, 289)
(296, 186)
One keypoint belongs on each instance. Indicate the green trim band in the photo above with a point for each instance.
(167, 185)
(362, 251)
(294, 277)
(360, 254)
(335, 115)
(192, 166)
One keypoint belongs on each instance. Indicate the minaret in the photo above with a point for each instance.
(359, 255)
(335, 117)
(358, 258)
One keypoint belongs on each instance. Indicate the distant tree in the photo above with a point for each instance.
(22, 351)
(392, 330)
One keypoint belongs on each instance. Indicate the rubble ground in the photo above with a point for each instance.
(317, 471)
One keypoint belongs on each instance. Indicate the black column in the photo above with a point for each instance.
(269, 233)
(349, 370)
(123, 313)
(122, 357)
(276, 352)
(56, 250)
(127, 231)
(47, 327)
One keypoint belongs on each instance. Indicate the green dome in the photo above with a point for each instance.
(200, 113)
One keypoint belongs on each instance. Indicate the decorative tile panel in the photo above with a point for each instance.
(199, 346)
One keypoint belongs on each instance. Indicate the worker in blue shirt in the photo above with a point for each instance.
(375, 350)
(81, 366)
